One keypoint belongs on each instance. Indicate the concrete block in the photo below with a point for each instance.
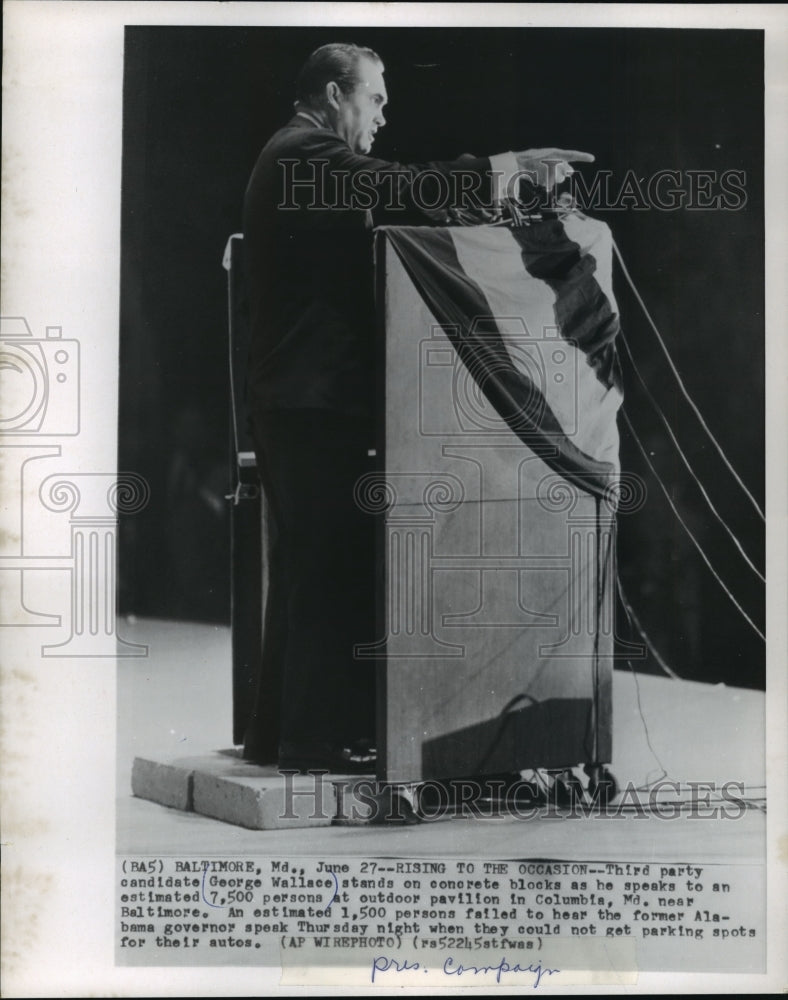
(222, 785)
(167, 782)
(268, 802)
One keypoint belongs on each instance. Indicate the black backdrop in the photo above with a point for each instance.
(198, 105)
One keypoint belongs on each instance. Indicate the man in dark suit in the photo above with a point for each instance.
(307, 234)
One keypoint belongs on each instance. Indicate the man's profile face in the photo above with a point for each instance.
(361, 112)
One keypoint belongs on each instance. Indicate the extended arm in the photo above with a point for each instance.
(324, 172)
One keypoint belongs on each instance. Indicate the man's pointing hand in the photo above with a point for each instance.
(550, 166)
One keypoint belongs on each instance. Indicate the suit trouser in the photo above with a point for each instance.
(321, 572)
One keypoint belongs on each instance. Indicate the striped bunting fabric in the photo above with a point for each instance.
(531, 314)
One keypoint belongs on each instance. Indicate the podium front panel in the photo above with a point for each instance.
(496, 605)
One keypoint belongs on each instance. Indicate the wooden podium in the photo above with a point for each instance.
(495, 573)
(496, 641)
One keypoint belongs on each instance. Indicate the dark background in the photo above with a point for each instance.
(199, 103)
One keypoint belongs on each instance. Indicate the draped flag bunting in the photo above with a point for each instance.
(531, 314)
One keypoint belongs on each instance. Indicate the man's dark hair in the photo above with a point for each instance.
(337, 61)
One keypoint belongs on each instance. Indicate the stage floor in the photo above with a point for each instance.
(176, 702)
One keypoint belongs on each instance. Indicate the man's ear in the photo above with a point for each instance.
(332, 95)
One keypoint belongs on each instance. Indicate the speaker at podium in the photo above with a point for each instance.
(494, 496)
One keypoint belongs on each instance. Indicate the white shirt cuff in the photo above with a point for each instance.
(504, 167)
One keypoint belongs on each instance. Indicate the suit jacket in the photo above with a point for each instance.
(308, 252)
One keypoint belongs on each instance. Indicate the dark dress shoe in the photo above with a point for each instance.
(393, 809)
(262, 756)
(307, 757)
